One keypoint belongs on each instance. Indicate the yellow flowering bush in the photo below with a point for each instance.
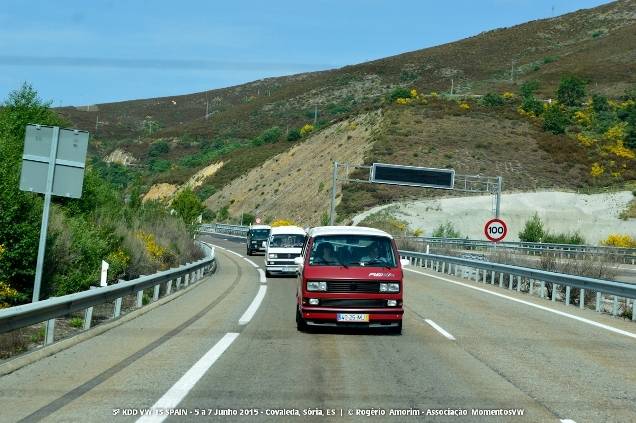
(352, 126)
(464, 106)
(616, 133)
(508, 95)
(596, 170)
(282, 222)
(434, 94)
(583, 117)
(620, 240)
(413, 93)
(404, 101)
(585, 140)
(8, 295)
(156, 251)
(307, 129)
(619, 150)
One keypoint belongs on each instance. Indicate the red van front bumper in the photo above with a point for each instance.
(327, 316)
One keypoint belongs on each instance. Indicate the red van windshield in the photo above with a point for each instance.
(352, 250)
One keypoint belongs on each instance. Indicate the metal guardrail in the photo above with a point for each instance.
(237, 230)
(626, 255)
(526, 278)
(50, 309)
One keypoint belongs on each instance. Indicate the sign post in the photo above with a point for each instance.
(52, 164)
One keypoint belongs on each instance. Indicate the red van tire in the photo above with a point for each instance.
(397, 330)
(301, 325)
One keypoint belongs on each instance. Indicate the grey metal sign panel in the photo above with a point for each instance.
(72, 146)
(413, 176)
(70, 160)
(37, 141)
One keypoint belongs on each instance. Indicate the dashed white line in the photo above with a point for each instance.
(250, 262)
(261, 272)
(567, 421)
(180, 389)
(251, 310)
(439, 329)
(560, 313)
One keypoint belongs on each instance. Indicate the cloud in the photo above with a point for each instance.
(157, 64)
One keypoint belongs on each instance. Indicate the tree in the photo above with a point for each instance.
(528, 88)
(20, 212)
(188, 206)
(554, 119)
(294, 135)
(533, 230)
(571, 91)
(493, 100)
(446, 230)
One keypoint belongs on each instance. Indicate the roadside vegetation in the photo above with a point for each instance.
(104, 224)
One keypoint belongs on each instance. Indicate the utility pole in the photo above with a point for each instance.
(452, 85)
(332, 214)
(512, 71)
(315, 114)
(207, 106)
(96, 124)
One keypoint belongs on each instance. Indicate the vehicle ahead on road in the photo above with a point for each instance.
(349, 276)
(257, 238)
(285, 243)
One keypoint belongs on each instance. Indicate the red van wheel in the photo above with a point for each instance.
(301, 325)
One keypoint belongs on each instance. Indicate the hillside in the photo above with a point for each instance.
(172, 138)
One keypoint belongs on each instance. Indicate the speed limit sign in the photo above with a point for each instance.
(495, 230)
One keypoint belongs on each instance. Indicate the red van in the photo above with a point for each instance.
(349, 276)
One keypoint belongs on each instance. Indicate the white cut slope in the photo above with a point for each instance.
(594, 216)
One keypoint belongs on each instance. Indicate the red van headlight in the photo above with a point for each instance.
(389, 287)
(316, 286)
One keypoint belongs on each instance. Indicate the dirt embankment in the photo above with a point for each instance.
(297, 184)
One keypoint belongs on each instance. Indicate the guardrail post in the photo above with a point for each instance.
(437, 265)
(155, 293)
(443, 267)
(179, 283)
(531, 286)
(598, 301)
(49, 332)
(581, 298)
(140, 298)
(615, 306)
(117, 311)
(567, 295)
(518, 283)
(476, 275)
(542, 287)
(501, 280)
(485, 276)
(510, 278)
(169, 287)
(633, 310)
(186, 282)
(88, 318)
(554, 291)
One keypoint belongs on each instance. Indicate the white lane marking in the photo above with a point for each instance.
(233, 252)
(439, 329)
(250, 262)
(251, 310)
(567, 421)
(180, 389)
(560, 313)
(262, 273)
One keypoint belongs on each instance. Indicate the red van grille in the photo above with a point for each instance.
(328, 302)
(353, 286)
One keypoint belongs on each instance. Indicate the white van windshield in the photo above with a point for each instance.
(352, 250)
(287, 240)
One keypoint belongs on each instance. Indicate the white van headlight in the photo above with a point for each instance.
(389, 287)
(316, 286)
(273, 256)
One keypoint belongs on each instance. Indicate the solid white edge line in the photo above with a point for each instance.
(439, 329)
(261, 272)
(251, 310)
(567, 421)
(180, 389)
(233, 252)
(560, 313)
(250, 262)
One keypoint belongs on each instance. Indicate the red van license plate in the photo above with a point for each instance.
(347, 317)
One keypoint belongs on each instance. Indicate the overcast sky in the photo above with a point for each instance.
(77, 52)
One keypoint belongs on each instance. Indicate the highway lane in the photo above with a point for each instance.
(132, 364)
(503, 355)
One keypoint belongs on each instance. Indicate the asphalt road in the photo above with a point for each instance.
(462, 349)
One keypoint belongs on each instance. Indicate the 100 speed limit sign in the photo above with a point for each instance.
(495, 230)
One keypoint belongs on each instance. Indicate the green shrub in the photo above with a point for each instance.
(533, 230)
(294, 135)
(571, 91)
(269, 136)
(399, 93)
(158, 148)
(555, 119)
(76, 322)
(531, 104)
(528, 88)
(159, 165)
(188, 206)
(493, 100)
(446, 230)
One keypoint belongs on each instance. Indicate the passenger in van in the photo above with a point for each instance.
(371, 253)
(325, 254)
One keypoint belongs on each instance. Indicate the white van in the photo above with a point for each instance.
(285, 243)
